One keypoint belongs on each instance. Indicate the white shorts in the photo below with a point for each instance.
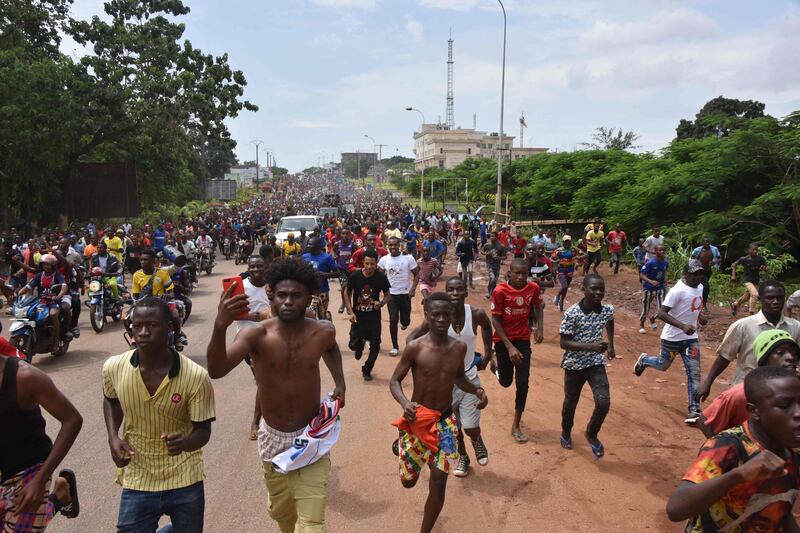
(465, 406)
(461, 267)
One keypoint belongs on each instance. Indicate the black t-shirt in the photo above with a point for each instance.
(752, 268)
(367, 292)
(500, 252)
(466, 251)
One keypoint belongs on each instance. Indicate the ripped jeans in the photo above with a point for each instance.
(689, 350)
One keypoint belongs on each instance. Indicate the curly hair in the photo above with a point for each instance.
(287, 268)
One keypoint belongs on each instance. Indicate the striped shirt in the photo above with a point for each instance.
(185, 396)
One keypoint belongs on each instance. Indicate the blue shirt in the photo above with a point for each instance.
(411, 240)
(656, 271)
(639, 254)
(324, 263)
(484, 227)
(437, 248)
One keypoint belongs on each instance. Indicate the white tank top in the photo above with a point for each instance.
(468, 337)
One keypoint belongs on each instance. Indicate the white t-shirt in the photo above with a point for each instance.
(650, 244)
(398, 270)
(258, 299)
(685, 304)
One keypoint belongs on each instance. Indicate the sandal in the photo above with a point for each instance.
(566, 442)
(253, 433)
(74, 508)
(519, 436)
(597, 450)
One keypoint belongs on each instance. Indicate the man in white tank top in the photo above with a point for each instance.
(464, 327)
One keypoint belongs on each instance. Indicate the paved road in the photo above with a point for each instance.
(533, 487)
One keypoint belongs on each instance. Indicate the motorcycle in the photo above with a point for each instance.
(101, 303)
(182, 314)
(243, 251)
(227, 248)
(205, 261)
(31, 331)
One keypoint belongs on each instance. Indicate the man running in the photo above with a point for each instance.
(167, 404)
(464, 327)
(653, 276)
(680, 313)
(289, 399)
(651, 242)
(616, 240)
(540, 268)
(343, 250)
(399, 269)
(428, 426)
(710, 258)
(28, 457)
(516, 305)
(594, 239)
(429, 272)
(582, 339)
(565, 258)
(364, 303)
(326, 268)
(466, 251)
(493, 252)
(753, 264)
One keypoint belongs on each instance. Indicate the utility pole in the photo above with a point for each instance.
(498, 196)
(257, 143)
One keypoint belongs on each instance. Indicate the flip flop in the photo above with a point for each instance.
(566, 442)
(73, 509)
(253, 433)
(519, 437)
(597, 450)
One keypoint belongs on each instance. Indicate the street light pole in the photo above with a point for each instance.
(422, 178)
(257, 143)
(499, 194)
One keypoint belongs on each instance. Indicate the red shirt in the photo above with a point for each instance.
(514, 308)
(357, 259)
(615, 239)
(8, 349)
(727, 410)
(519, 245)
(502, 236)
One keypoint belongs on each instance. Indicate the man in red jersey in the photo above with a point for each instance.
(516, 306)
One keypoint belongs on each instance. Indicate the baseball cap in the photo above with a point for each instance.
(566, 238)
(694, 265)
(768, 340)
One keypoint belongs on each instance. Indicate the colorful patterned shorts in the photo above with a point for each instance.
(319, 304)
(414, 455)
(12, 521)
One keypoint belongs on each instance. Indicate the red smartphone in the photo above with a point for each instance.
(237, 289)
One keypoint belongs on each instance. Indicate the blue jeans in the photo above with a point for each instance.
(689, 351)
(140, 511)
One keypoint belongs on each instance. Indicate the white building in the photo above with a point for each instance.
(246, 175)
(438, 146)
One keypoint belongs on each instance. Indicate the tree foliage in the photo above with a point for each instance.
(613, 139)
(142, 94)
(719, 117)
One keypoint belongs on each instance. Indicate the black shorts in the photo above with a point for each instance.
(594, 258)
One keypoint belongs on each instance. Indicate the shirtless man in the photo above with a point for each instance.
(464, 327)
(285, 352)
(436, 361)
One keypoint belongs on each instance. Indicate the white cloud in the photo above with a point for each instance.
(361, 4)
(663, 27)
(414, 28)
(458, 5)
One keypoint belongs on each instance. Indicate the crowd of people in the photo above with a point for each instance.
(380, 253)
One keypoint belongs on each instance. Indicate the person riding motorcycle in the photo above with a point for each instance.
(205, 241)
(52, 288)
(111, 268)
(152, 281)
(189, 249)
(68, 266)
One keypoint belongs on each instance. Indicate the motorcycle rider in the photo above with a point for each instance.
(151, 281)
(189, 249)
(111, 268)
(68, 258)
(52, 288)
(204, 241)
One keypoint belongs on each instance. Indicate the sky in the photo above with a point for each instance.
(325, 73)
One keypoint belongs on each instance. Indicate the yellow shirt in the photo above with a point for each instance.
(594, 240)
(161, 284)
(185, 396)
(290, 249)
(113, 243)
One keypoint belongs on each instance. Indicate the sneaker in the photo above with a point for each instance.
(653, 324)
(555, 299)
(642, 330)
(403, 328)
(76, 332)
(462, 468)
(394, 352)
(692, 417)
(367, 376)
(639, 367)
(481, 453)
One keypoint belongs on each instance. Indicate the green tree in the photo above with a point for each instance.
(718, 117)
(613, 139)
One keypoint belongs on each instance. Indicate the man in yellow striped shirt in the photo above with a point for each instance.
(167, 403)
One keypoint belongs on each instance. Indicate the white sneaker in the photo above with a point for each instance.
(462, 468)
(394, 352)
(642, 330)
